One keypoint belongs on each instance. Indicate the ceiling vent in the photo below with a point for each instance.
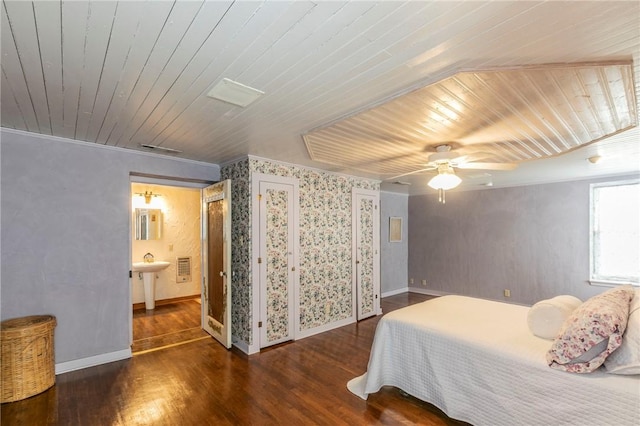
(160, 148)
(234, 93)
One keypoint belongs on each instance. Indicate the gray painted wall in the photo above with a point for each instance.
(532, 240)
(66, 236)
(393, 256)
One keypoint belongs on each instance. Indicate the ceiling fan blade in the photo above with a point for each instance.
(468, 158)
(488, 166)
(412, 173)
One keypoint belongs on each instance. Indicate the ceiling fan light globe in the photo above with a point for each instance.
(444, 181)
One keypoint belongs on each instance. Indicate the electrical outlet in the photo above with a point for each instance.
(410, 280)
(424, 282)
(507, 293)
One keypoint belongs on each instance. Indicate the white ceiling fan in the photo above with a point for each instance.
(446, 156)
(446, 159)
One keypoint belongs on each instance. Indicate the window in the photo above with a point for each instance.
(615, 232)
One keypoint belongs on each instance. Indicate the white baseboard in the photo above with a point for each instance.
(444, 293)
(92, 361)
(326, 327)
(245, 347)
(394, 292)
(418, 290)
(427, 291)
(242, 345)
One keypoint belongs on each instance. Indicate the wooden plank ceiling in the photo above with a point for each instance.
(126, 73)
(498, 116)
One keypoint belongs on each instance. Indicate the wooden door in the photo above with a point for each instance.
(277, 260)
(216, 249)
(366, 257)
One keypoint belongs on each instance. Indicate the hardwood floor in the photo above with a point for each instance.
(168, 324)
(201, 383)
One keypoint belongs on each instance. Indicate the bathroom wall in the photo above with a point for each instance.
(393, 255)
(66, 238)
(180, 238)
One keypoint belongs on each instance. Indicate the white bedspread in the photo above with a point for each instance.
(477, 361)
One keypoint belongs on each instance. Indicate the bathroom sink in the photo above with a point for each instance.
(148, 271)
(156, 266)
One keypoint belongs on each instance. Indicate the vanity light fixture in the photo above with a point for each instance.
(147, 196)
(444, 180)
(594, 159)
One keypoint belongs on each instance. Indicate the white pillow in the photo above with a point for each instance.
(546, 317)
(626, 359)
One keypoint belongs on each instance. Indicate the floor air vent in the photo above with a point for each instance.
(183, 271)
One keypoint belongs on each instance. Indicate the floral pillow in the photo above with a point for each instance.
(592, 332)
(626, 359)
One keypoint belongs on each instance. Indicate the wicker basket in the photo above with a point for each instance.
(27, 356)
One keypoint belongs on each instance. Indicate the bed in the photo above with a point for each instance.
(478, 362)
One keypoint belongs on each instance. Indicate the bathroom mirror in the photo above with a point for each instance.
(148, 224)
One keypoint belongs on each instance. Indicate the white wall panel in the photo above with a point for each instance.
(75, 16)
(13, 68)
(49, 34)
(156, 15)
(123, 35)
(179, 22)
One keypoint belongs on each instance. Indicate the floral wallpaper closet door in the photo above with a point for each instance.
(366, 245)
(277, 263)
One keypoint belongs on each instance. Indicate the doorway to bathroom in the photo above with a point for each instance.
(166, 303)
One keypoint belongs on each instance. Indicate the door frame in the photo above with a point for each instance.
(223, 195)
(256, 179)
(355, 194)
(156, 180)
